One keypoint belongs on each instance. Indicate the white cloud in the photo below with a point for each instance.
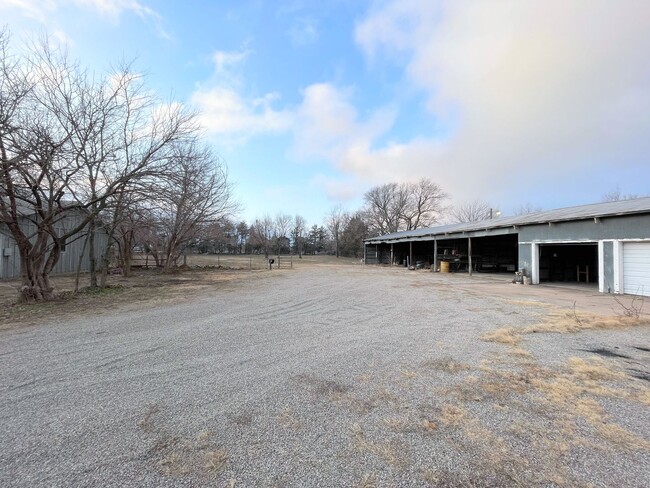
(63, 38)
(39, 9)
(225, 60)
(114, 8)
(303, 31)
(338, 190)
(33, 9)
(328, 126)
(226, 112)
(44, 10)
(539, 90)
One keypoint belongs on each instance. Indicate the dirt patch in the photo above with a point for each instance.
(144, 289)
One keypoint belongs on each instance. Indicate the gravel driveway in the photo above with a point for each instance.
(331, 376)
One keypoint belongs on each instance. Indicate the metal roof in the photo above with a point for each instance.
(594, 210)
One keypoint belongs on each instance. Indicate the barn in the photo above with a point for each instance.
(73, 249)
(603, 244)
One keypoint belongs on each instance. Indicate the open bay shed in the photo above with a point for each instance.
(603, 243)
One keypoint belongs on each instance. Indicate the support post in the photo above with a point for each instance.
(364, 253)
(534, 263)
(469, 254)
(391, 255)
(435, 255)
(411, 254)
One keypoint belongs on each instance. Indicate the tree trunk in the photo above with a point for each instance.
(92, 260)
(36, 282)
(80, 260)
(126, 263)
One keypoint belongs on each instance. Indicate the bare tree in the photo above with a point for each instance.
(298, 234)
(37, 169)
(394, 207)
(382, 208)
(335, 222)
(194, 193)
(262, 232)
(473, 211)
(616, 194)
(68, 144)
(527, 208)
(282, 224)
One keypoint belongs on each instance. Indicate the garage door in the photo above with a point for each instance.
(636, 268)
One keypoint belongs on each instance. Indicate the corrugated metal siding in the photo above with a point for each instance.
(8, 257)
(10, 264)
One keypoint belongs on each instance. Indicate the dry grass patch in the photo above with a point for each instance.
(562, 323)
(428, 425)
(387, 452)
(504, 335)
(395, 424)
(216, 461)
(452, 414)
(521, 353)
(571, 322)
(409, 374)
(383, 395)
(367, 481)
(173, 465)
(177, 456)
(617, 435)
(288, 420)
(593, 370)
(447, 365)
(530, 303)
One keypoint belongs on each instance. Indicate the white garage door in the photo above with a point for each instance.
(636, 268)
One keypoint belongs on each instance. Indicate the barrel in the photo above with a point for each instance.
(444, 267)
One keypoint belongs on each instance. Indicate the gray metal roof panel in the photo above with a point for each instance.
(621, 207)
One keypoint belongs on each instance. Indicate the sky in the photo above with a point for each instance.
(311, 103)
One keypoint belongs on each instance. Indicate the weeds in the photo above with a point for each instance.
(634, 309)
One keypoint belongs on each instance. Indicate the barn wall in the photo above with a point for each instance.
(525, 258)
(10, 259)
(624, 227)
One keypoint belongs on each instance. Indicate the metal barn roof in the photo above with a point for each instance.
(594, 210)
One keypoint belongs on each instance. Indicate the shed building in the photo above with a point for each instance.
(603, 243)
(73, 255)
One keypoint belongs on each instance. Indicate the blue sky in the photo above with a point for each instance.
(312, 103)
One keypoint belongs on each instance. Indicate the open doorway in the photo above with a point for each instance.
(573, 263)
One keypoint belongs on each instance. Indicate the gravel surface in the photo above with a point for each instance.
(331, 376)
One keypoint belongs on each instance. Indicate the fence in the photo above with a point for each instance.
(285, 262)
(236, 261)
